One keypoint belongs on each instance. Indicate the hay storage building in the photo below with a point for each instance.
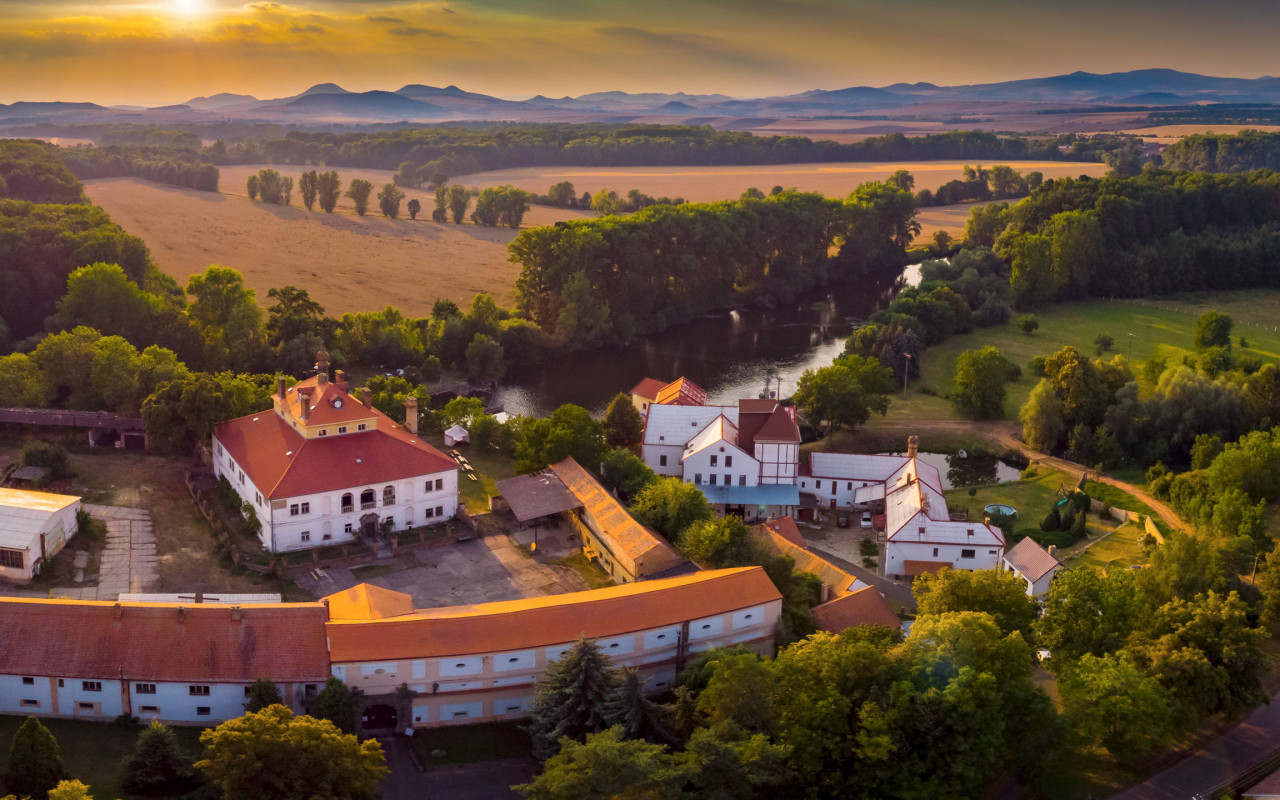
(34, 526)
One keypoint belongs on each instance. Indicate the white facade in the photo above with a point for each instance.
(34, 527)
(779, 461)
(313, 520)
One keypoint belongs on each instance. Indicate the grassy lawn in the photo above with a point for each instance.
(1160, 327)
(468, 744)
(490, 466)
(1032, 497)
(595, 577)
(1122, 547)
(891, 437)
(1118, 498)
(94, 751)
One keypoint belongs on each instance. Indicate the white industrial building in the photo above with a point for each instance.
(34, 526)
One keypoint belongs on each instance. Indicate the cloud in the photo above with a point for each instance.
(391, 20)
(296, 28)
(410, 30)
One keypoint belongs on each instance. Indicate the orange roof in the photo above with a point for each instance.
(153, 642)
(786, 528)
(366, 601)
(864, 607)
(331, 403)
(550, 620)
(682, 392)
(835, 579)
(648, 388)
(910, 567)
(639, 550)
(283, 463)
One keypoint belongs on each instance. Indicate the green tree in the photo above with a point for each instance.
(562, 195)
(338, 704)
(389, 200)
(1213, 329)
(629, 709)
(569, 431)
(35, 761)
(251, 186)
(1112, 702)
(623, 425)
(1028, 323)
(571, 698)
(229, 314)
(625, 473)
(308, 183)
(979, 388)
(670, 506)
(606, 202)
(415, 208)
(293, 314)
(845, 393)
(459, 199)
(274, 755)
(484, 359)
(359, 190)
(719, 543)
(1103, 343)
(607, 765)
(1087, 613)
(728, 764)
(157, 765)
(441, 211)
(262, 693)
(328, 190)
(1001, 594)
(67, 790)
(22, 383)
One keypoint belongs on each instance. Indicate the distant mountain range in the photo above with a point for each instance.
(328, 102)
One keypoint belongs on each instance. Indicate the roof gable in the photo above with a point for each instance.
(682, 392)
(648, 389)
(367, 601)
(1031, 560)
(780, 427)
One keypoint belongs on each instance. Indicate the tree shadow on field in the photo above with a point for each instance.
(195, 194)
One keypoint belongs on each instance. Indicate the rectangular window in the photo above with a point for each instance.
(306, 536)
(935, 552)
(202, 711)
(28, 681)
(712, 479)
(834, 486)
(697, 477)
(662, 461)
(362, 427)
(431, 512)
(439, 484)
(327, 536)
(85, 706)
(324, 431)
(347, 528)
(257, 498)
(439, 511)
(817, 484)
(306, 508)
(714, 460)
(728, 480)
(91, 686)
(728, 461)
(966, 554)
(921, 530)
(149, 709)
(850, 486)
(742, 480)
(198, 691)
(30, 703)
(144, 688)
(295, 510)
(342, 429)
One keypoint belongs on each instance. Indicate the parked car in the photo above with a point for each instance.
(842, 520)
(866, 519)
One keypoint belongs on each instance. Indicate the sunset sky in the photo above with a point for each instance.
(167, 51)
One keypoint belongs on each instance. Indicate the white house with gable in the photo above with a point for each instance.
(324, 467)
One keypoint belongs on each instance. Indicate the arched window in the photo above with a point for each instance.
(347, 505)
(368, 499)
(389, 496)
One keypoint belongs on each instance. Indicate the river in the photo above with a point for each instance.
(729, 354)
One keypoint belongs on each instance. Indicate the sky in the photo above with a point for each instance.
(154, 52)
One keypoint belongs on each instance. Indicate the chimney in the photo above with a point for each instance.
(1053, 550)
(824, 596)
(119, 611)
(322, 368)
(304, 405)
(339, 376)
(366, 396)
(182, 614)
(282, 387)
(411, 414)
(235, 613)
(913, 446)
(324, 601)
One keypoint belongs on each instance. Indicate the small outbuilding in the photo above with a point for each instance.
(456, 435)
(34, 526)
(1035, 565)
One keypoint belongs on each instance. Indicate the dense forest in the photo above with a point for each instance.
(1237, 152)
(587, 282)
(175, 165)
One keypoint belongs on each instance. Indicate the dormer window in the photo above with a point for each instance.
(362, 426)
(342, 429)
(324, 431)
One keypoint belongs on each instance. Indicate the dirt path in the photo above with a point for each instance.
(1006, 433)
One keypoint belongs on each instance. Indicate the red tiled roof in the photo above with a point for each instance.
(863, 607)
(550, 620)
(786, 528)
(648, 388)
(283, 463)
(781, 427)
(150, 641)
(331, 403)
(682, 392)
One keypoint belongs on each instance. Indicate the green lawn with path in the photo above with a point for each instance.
(1121, 549)
(489, 467)
(1160, 327)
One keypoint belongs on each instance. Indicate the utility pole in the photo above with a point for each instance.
(906, 370)
(1130, 356)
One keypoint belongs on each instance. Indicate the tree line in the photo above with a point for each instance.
(173, 165)
(1244, 151)
(585, 282)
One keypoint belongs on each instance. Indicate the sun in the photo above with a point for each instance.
(187, 8)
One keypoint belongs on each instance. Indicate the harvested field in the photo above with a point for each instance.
(951, 219)
(704, 184)
(1168, 134)
(346, 262)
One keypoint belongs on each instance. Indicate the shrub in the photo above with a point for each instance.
(973, 492)
(1077, 527)
(52, 457)
(1052, 521)
(1028, 323)
(1037, 366)
(1067, 516)
(868, 548)
(1059, 539)
(869, 563)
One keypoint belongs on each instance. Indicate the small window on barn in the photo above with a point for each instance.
(28, 681)
(32, 703)
(662, 461)
(91, 686)
(202, 711)
(728, 461)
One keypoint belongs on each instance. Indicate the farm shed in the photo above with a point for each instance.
(34, 526)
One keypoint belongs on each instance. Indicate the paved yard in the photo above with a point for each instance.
(128, 562)
(478, 571)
